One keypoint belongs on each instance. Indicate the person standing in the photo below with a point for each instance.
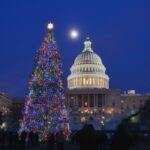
(87, 138)
(51, 141)
(23, 139)
(60, 140)
(121, 140)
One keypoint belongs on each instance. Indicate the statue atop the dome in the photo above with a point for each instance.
(87, 44)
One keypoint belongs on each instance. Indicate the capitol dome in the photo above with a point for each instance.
(88, 58)
(88, 70)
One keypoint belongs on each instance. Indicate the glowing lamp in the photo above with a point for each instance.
(50, 26)
(83, 119)
(91, 112)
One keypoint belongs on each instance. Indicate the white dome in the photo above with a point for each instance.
(88, 70)
(87, 57)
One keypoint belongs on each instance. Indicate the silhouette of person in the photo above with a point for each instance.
(120, 140)
(60, 139)
(23, 139)
(2, 138)
(31, 138)
(73, 137)
(15, 139)
(51, 140)
(36, 138)
(88, 139)
(10, 139)
(103, 140)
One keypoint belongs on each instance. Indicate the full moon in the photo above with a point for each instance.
(74, 34)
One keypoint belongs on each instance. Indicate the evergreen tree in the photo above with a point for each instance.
(44, 107)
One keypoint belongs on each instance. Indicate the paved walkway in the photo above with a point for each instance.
(73, 147)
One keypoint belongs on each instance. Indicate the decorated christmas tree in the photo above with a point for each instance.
(44, 109)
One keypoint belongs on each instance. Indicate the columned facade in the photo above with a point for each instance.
(86, 100)
(90, 105)
(88, 81)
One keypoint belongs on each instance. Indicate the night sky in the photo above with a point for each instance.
(119, 31)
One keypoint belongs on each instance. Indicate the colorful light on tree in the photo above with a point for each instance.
(44, 107)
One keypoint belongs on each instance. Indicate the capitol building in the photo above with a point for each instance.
(89, 98)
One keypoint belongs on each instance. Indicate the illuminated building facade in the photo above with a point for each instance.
(5, 105)
(133, 101)
(88, 97)
(5, 100)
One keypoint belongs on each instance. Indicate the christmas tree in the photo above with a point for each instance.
(44, 106)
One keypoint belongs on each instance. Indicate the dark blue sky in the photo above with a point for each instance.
(119, 30)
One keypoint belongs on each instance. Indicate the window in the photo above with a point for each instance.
(83, 69)
(71, 100)
(80, 100)
(71, 103)
(90, 81)
(113, 104)
(83, 81)
(91, 100)
(103, 101)
(90, 69)
(85, 101)
(99, 100)
(134, 106)
(86, 81)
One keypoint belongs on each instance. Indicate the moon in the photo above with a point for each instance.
(74, 34)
